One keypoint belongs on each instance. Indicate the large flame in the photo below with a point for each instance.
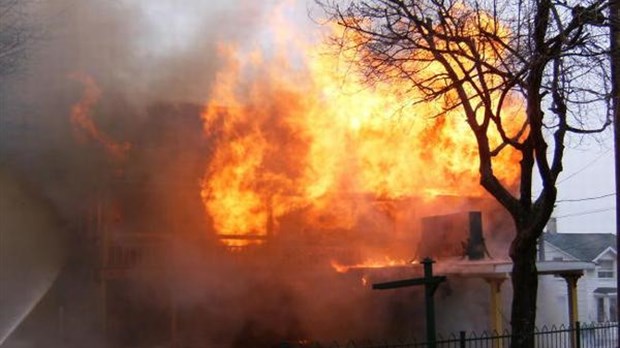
(296, 129)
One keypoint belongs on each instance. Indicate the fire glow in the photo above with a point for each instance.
(83, 124)
(371, 263)
(296, 128)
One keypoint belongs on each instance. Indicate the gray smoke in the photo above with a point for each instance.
(155, 63)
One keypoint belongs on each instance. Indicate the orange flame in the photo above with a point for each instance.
(83, 124)
(370, 263)
(303, 132)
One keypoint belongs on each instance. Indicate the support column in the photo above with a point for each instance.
(173, 322)
(571, 285)
(573, 310)
(103, 293)
(429, 291)
(495, 308)
(430, 283)
(495, 313)
(104, 259)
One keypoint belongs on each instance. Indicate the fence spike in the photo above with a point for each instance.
(594, 334)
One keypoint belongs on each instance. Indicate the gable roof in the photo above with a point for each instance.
(609, 250)
(583, 246)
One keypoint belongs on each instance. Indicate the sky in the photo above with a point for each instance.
(588, 174)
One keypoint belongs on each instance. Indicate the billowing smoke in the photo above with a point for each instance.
(103, 123)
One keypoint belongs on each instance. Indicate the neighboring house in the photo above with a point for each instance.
(597, 293)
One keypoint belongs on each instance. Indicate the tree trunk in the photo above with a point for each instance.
(525, 286)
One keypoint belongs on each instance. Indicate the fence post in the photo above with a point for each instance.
(577, 343)
(462, 339)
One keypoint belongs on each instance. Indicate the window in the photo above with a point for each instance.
(606, 308)
(600, 309)
(606, 269)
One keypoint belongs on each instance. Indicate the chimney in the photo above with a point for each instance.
(476, 247)
(552, 225)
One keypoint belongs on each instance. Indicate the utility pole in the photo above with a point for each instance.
(614, 33)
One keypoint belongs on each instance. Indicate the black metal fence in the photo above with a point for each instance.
(595, 335)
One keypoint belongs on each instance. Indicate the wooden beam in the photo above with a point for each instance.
(408, 282)
(242, 236)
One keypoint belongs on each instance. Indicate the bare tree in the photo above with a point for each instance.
(550, 54)
(15, 35)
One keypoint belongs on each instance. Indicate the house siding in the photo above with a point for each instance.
(553, 292)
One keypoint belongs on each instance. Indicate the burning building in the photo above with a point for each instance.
(229, 220)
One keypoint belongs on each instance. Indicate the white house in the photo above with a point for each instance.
(597, 298)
